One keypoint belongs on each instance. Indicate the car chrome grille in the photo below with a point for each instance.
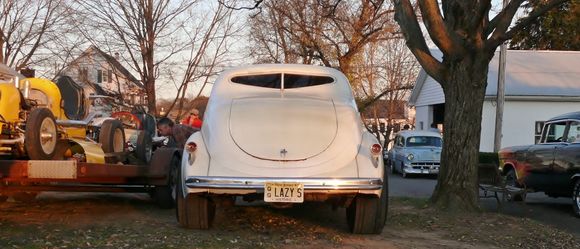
(425, 165)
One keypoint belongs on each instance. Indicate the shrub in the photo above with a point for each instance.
(489, 157)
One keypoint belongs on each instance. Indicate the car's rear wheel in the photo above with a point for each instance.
(193, 211)
(512, 180)
(41, 135)
(112, 136)
(576, 197)
(368, 214)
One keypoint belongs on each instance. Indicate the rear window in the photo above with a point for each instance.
(264, 80)
(297, 80)
(290, 80)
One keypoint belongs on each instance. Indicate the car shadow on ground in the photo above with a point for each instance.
(308, 213)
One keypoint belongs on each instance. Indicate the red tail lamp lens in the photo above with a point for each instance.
(376, 149)
(191, 147)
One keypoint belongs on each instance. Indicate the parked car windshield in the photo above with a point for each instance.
(418, 141)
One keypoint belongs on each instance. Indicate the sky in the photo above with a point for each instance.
(237, 54)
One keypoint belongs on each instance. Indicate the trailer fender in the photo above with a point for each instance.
(161, 161)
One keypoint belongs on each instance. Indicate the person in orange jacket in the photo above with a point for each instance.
(193, 119)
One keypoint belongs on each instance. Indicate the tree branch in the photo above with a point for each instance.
(366, 103)
(446, 41)
(500, 35)
(405, 16)
(533, 16)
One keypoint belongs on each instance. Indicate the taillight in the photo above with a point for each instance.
(191, 147)
(376, 149)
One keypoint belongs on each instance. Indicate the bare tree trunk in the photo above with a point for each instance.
(457, 182)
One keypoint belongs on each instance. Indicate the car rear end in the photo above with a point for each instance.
(300, 139)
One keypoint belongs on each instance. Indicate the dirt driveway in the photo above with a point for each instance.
(57, 220)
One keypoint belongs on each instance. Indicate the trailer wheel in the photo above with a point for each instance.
(144, 147)
(165, 196)
(41, 135)
(193, 211)
(112, 136)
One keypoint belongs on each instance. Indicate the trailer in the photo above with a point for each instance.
(25, 178)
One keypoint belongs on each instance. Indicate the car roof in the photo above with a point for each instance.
(571, 115)
(283, 68)
(339, 91)
(411, 133)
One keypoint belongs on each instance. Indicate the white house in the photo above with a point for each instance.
(100, 73)
(539, 85)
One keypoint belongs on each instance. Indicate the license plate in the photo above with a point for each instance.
(425, 171)
(283, 192)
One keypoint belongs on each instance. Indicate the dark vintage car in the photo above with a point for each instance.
(553, 165)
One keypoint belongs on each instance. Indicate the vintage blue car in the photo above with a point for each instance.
(415, 152)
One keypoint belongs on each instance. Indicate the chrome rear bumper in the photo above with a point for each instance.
(257, 183)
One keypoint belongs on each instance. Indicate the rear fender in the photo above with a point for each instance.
(161, 160)
(196, 163)
(369, 166)
(93, 151)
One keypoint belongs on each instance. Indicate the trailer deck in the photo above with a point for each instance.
(72, 176)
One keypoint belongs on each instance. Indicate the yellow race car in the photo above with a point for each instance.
(44, 120)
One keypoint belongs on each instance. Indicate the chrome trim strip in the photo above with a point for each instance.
(257, 183)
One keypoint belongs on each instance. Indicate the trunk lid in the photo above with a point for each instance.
(283, 129)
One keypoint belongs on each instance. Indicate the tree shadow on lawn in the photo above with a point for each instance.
(555, 212)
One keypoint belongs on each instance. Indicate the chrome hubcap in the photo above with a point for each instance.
(119, 144)
(47, 135)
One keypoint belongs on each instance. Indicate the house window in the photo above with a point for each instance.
(99, 76)
(104, 76)
(83, 74)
